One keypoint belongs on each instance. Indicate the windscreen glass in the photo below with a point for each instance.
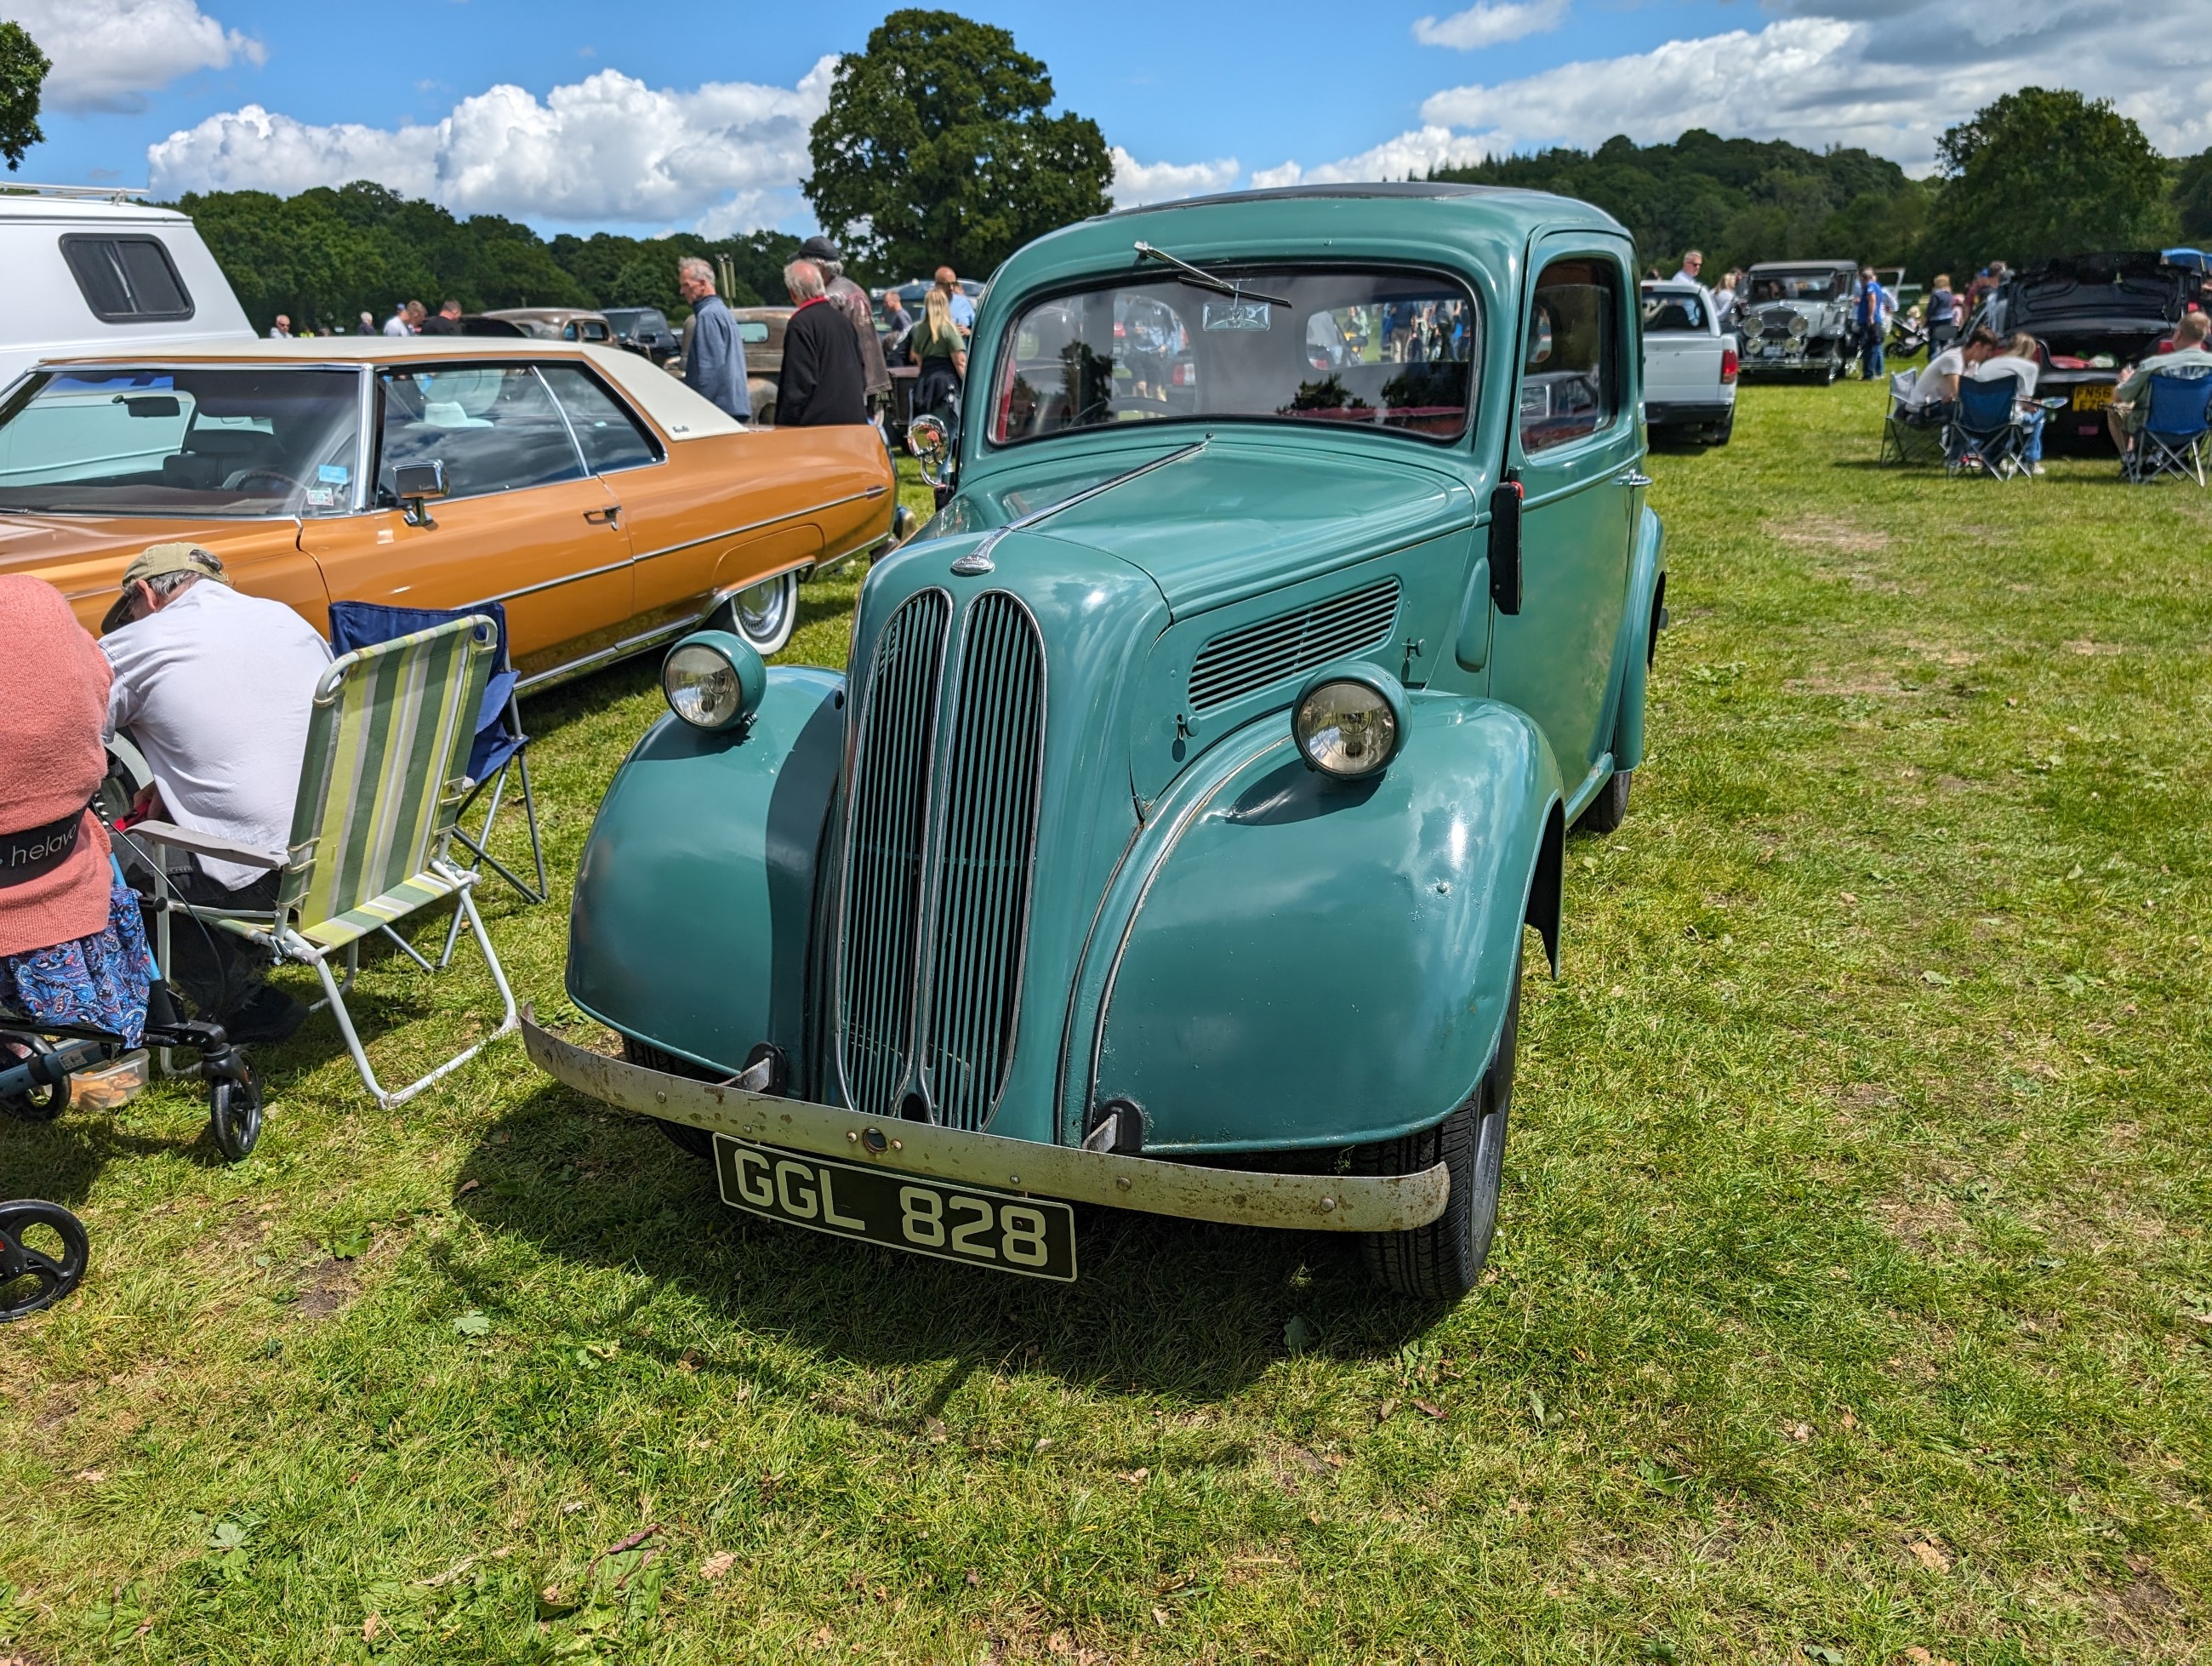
(1379, 349)
(1675, 312)
(216, 441)
(1796, 286)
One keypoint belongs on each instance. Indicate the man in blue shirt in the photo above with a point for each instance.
(963, 310)
(714, 357)
(1876, 308)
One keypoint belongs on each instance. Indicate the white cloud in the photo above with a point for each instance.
(109, 54)
(607, 150)
(1136, 182)
(1423, 150)
(1485, 24)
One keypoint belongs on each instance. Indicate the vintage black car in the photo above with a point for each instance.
(645, 330)
(2095, 314)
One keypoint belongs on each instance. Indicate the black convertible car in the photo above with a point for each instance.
(2095, 314)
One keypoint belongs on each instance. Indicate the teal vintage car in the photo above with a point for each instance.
(1171, 842)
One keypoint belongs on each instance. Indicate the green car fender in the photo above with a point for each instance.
(1639, 639)
(1304, 962)
(694, 902)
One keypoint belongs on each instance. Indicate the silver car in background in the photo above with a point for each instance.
(1798, 319)
(1689, 366)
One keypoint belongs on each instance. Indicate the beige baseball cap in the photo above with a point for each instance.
(155, 561)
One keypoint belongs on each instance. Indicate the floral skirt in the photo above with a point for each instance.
(98, 980)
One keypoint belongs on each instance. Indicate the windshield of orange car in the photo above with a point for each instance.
(1392, 350)
(217, 441)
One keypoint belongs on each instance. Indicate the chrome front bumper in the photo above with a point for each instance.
(1236, 1197)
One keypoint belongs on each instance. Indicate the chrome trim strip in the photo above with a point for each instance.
(621, 650)
(981, 552)
(1187, 1191)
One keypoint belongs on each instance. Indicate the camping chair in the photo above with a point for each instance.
(1985, 426)
(379, 788)
(1909, 435)
(2172, 439)
(499, 744)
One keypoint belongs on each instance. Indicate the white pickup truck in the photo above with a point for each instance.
(1689, 366)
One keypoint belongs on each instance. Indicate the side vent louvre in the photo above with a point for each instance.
(1253, 656)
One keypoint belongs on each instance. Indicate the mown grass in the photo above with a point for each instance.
(1851, 1298)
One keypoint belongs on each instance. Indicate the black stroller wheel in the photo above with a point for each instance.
(37, 1105)
(234, 1109)
(32, 1274)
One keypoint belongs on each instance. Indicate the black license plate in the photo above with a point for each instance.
(1032, 1236)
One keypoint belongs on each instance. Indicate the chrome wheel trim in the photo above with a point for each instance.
(761, 609)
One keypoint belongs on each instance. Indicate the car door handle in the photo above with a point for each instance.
(1632, 477)
(609, 516)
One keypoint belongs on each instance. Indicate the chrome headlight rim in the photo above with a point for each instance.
(712, 680)
(1387, 703)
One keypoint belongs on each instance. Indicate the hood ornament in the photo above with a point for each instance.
(977, 560)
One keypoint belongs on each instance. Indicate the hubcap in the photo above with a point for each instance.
(761, 608)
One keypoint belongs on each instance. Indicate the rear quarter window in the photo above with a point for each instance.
(126, 280)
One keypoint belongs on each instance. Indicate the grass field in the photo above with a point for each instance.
(1851, 1302)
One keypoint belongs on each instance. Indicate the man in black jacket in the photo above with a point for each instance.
(823, 381)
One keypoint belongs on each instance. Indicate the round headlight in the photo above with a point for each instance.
(713, 679)
(1349, 726)
(1798, 325)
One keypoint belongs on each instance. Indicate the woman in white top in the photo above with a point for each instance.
(2022, 357)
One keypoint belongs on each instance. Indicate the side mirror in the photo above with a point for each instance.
(413, 484)
(927, 438)
(1505, 547)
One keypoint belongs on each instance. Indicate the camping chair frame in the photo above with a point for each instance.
(1903, 439)
(378, 795)
(1985, 425)
(2163, 446)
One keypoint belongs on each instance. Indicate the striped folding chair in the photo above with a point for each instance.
(380, 787)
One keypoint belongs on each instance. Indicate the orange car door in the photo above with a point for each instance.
(524, 522)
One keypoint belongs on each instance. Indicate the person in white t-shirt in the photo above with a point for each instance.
(1936, 388)
(2021, 357)
(216, 688)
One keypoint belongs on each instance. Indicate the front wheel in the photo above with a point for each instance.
(1442, 1261)
(764, 613)
(234, 1111)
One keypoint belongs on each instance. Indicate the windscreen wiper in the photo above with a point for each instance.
(1205, 280)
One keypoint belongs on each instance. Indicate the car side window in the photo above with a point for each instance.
(1571, 366)
(494, 427)
(610, 436)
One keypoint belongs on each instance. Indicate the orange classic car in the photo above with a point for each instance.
(606, 504)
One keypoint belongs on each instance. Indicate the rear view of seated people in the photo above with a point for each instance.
(216, 688)
(1936, 391)
(72, 944)
(2020, 358)
(2131, 398)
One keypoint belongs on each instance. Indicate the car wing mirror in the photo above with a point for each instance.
(931, 442)
(414, 485)
(1505, 547)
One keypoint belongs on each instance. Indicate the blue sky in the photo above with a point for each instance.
(573, 115)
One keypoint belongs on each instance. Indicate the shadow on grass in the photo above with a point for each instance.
(1161, 1305)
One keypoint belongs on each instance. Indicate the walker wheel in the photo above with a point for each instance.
(42, 1256)
(37, 1105)
(234, 1111)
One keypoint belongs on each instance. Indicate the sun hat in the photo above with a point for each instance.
(53, 708)
(153, 562)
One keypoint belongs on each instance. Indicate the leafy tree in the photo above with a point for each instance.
(2039, 173)
(937, 147)
(2192, 198)
(23, 74)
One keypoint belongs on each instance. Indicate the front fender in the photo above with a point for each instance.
(694, 902)
(1314, 963)
(1639, 639)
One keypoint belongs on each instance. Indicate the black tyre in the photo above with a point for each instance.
(1442, 1261)
(42, 1255)
(234, 1111)
(1609, 808)
(698, 1141)
(36, 1104)
(1723, 429)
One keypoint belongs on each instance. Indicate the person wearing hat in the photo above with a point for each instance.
(72, 945)
(850, 299)
(215, 687)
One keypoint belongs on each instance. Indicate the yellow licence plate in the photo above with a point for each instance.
(2093, 396)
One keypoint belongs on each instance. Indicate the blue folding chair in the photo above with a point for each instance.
(2175, 422)
(499, 743)
(1985, 428)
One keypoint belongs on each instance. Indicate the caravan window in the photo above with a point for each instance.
(127, 280)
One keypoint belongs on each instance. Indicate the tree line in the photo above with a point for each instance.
(2037, 172)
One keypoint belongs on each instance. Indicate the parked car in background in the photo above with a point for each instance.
(1171, 842)
(96, 271)
(760, 329)
(1796, 319)
(2095, 314)
(608, 506)
(1689, 366)
(559, 322)
(644, 330)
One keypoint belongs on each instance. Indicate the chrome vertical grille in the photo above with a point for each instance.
(889, 820)
(992, 775)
